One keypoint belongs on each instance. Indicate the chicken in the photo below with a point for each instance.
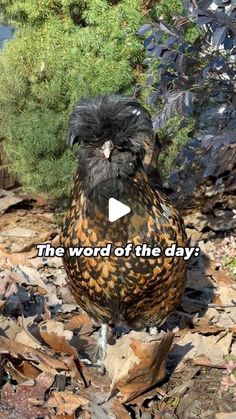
(114, 134)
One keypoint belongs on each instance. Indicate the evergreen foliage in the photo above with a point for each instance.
(63, 50)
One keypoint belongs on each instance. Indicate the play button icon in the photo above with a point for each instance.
(117, 210)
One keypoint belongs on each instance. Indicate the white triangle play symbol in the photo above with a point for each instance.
(117, 210)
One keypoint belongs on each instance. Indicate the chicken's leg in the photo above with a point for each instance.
(102, 341)
(153, 330)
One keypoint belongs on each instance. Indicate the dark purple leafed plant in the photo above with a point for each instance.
(182, 72)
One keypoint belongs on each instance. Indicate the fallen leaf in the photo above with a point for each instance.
(119, 410)
(97, 409)
(191, 346)
(205, 362)
(28, 370)
(149, 395)
(136, 362)
(19, 258)
(27, 339)
(9, 327)
(66, 402)
(75, 369)
(36, 356)
(19, 375)
(7, 200)
(22, 232)
(58, 343)
(19, 232)
(219, 276)
(55, 326)
(226, 295)
(81, 322)
(30, 276)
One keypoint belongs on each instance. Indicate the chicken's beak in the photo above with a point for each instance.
(107, 149)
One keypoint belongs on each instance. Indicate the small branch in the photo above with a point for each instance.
(210, 305)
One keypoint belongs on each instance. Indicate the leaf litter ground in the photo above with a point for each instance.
(47, 343)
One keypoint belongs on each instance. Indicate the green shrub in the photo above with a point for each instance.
(51, 63)
(166, 9)
(173, 137)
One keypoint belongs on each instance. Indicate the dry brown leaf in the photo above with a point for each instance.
(226, 295)
(46, 312)
(22, 234)
(20, 376)
(22, 258)
(3, 415)
(66, 402)
(19, 258)
(54, 326)
(225, 415)
(75, 368)
(81, 322)
(98, 381)
(136, 362)
(48, 217)
(58, 343)
(30, 276)
(119, 410)
(85, 415)
(36, 356)
(56, 241)
(203, 325)
(8, 283)
(149, 395)
(11, 290)
(8, 198)
(205, 362)
(221, 276)
(39, 359)
(41, 200)
(9, 327)
(2, 304)
(27, 339)
(3, 283)
(28, 370)
(194, 345)
(97, 408)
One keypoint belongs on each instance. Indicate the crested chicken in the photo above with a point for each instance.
(114, 134)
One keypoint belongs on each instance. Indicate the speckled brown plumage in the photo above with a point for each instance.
(135, 291)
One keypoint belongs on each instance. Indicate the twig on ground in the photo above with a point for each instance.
(210, 305)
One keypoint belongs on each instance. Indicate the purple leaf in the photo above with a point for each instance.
(144, 29)
(167, 57)
(167, 28)
(147, 41)
(181, 63)
(157, 51)
(219, 36)
(203, 20)
(158, 35)
(228, 43)
(186, 4)
(171, 41)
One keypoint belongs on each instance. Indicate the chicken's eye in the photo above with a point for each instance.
(122, 142)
